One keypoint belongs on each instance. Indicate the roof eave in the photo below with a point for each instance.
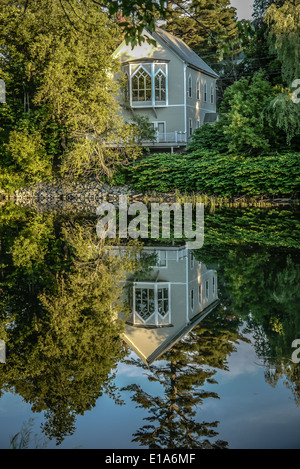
(214, 75)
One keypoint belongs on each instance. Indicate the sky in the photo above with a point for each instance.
(244, 8)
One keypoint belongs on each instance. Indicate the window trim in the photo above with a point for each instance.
(157, 319)
(165, 76)
(138, 70)
(161, 266)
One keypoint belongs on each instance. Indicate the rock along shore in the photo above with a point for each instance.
(77, 196)
(84, 197)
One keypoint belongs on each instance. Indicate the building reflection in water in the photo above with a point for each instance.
(177, 294)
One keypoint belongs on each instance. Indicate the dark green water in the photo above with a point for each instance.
(232, 380)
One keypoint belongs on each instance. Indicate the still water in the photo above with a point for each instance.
(150, 346)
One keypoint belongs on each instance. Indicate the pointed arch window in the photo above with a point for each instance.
(141, 85)
(163, 301)
(146, 84)
(198, 89)
(212, 94)
(151, 305)
(144, 302)
(205, 92)
(160, 86)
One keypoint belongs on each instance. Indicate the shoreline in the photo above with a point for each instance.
(91, 193)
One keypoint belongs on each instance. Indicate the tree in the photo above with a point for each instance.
(257, 53)
(283, 19)
(145, 130)
(60, 298)
(259, 9)
(241, 115)
(135, 15)
(58, 66)
(209, 27)
(183, 372)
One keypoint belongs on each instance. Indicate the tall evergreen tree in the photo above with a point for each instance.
(183, 372)
(209, 27)
(257, 54)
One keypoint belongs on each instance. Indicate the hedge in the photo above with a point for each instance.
(224, 175)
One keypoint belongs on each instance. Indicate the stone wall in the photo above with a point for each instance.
(78, 196)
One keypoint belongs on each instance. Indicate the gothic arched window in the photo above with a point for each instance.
(160, 86)
(141, 85)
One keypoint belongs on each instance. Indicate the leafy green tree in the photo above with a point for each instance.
(230, 68)
(257, 55)
(284, 114)
(60, 300)
(283, 20)
(59, 73)
(242, 118)
(26, 149)
(145, 130)
(260, 284)
(134, 16)
(209, 137)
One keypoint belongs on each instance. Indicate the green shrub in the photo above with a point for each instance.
(223, 175)
(209, 137)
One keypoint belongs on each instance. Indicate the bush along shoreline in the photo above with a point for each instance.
(217, 175)
(200, 176)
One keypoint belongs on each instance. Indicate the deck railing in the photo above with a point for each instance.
(169, 137)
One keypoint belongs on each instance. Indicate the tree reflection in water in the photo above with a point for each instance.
(60, 295)
(173, 421)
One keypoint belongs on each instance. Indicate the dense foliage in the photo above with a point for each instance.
(209, 27)
(255, 118)
(218, 174)
(60, 299)
(61, 107)
(59, 314)
(61, 110)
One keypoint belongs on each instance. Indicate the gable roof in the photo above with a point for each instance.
(184, 51)
(151, 343)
